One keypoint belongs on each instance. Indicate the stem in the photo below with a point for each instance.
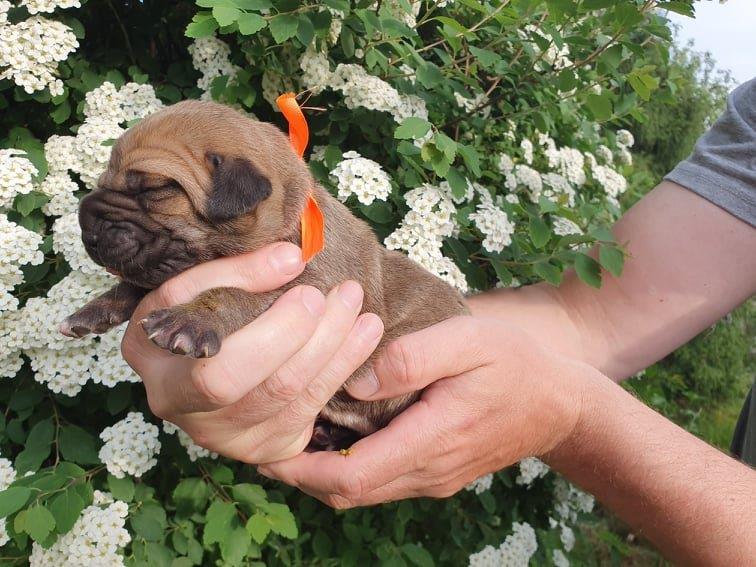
(126, 38)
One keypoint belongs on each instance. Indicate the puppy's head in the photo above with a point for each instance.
(193, 182)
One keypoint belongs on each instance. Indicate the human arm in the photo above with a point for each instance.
(508, 397)
(690, 263)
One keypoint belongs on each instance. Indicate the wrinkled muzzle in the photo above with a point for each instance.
(120, 236)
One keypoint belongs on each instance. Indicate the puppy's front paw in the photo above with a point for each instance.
(182, 331)
(95, 317)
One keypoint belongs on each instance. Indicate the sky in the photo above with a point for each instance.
(727, 31)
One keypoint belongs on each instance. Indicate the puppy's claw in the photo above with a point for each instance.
(153, 335)
(183, 332)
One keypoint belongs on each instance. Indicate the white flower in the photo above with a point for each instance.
(60, 188)
(16, 174)
(109, 368)
(506, 165)
(571, 501)
(568, 162)
(480, 485)
(316, 71)
(565, 227)
(567, 536)
(527, 150)
(130, 446)
(470, 104)
(96, 539)
(624, 157)
(559, 558)
(531, 469)
(523, 175)
(31, 50)
(18, 246)
(356, 175)
(604, 154)
(625, 139)
(556, 186)
(67, 241)
(211, 57)
(495, 226)
(193, 450)
(37, 6)
(7, 476)
(613, 183)
(516, 550)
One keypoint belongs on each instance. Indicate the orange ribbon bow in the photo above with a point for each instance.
(312, 221)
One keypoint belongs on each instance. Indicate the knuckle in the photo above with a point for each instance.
(404, 361)
(352, 486)
(172, 292)
(284, 385)
(213, 387)
(316, 395)
(339, 502)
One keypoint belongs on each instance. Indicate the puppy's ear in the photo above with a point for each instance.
(238, 187)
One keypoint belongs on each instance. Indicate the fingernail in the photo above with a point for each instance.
(365, 386)
(313, 300)
(286, 259)
(351, 294)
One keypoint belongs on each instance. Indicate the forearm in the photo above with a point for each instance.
(690, 263)
(693, 502)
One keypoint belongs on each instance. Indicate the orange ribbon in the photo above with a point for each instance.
(312, 221)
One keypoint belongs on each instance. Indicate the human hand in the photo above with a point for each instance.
(494, 396)
(257, 399)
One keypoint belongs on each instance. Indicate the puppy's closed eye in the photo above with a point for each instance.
(238, 187)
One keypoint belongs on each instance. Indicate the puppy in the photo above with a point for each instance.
(198, 181)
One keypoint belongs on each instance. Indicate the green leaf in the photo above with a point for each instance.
(502, 272)
(612, 259)
(250, 24)
(417, 555)
(190, 495)
(471, 158)
(65, 508)
(13, 499)
(340, 5)
(234, 547)
(322, 545)
(429, 75)
(457, 182)
(226, 15)
(412, 128)
(38, 447)
(218, 524)
(61, 113)
(121, 488)
(77, 445)
(149, 521)
(446, 145)
(27, 202)
(643, 83)
(305, 30)
(253, 4)
(283, 27)
(258, 527)
(378, 211)
(282, 520)
(549, 272)
(567, 80)
(202, 25)
(588, 270)
(487, 58)
(252, 495)
(39, 522)
(540, 233)
(600, 106)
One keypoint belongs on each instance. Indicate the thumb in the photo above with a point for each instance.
(412, 362)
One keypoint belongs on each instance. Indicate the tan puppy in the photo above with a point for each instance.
(198, 181)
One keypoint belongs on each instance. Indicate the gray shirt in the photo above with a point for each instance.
(722, 169)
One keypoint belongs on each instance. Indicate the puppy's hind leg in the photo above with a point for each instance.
(99, 315)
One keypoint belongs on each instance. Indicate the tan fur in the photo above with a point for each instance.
(172, 147)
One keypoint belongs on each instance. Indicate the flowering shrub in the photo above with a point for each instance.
(484, 139)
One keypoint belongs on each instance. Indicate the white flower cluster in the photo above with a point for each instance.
(130, 446)
(470, 104)
(559, 558)
(18, 246)
(557, 57)
(31, 50)
(48, 6)
(495, 226)
(360, 88)
(531, 469)
(571, 501)
(516, 550)
(568, 162)
(527, 177)
(565, 227)
(625, 141)
(192, 449)
(356, 175)
(7, 476)
(604, 154)
(97, 538)
(16, 176)
(109, 367)
(211, 57)
(423, 229)
(612, 182)
(480, 485)
(131, 102)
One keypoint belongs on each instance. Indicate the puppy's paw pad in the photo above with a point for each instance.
(182, 332)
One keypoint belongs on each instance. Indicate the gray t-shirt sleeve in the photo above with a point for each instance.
(722, 167)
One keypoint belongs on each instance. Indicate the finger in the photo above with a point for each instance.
(263, 270)
(279, 390)
(267, 343)
(401, 448)
(354, 351)
(413, 361)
